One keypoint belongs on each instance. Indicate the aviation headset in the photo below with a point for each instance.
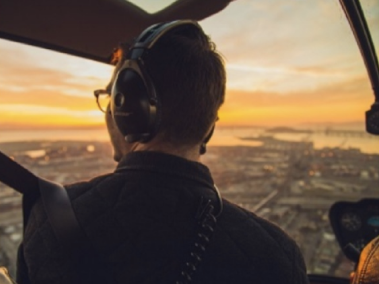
(135, 104)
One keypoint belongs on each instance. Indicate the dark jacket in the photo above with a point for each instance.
(141, 222)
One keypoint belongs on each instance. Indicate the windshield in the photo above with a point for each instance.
(371, 11)
(289, 143)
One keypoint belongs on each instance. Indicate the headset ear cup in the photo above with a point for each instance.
(131, 111)
(135, 105)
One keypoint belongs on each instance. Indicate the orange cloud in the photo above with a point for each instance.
(288, 63)
(48, 99)
(346, 101)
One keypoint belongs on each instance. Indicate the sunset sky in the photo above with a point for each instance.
(288, 63)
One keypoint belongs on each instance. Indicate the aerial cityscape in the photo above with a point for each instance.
(287, 63)
(289, 183)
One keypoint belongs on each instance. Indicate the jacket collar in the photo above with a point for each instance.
(165, 164)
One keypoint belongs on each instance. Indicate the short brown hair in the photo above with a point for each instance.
(189, 77)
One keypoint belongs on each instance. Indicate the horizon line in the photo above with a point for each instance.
(10, 127)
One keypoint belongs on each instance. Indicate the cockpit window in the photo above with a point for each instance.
(152, 6)
(371, 11)
(289, 143)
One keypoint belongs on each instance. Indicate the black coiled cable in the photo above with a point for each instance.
(206, 226)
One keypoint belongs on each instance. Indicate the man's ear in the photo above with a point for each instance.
(203, 146)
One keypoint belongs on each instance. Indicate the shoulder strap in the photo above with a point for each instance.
(57, 205)
(86, 263)
(60, 214)
(54, 197)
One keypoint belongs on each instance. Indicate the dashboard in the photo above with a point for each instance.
(355, 224)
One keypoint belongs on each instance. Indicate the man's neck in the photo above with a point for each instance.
(189, 153)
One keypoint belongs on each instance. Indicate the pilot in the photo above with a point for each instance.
(158, 218)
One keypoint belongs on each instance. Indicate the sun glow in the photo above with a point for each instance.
(305, 70)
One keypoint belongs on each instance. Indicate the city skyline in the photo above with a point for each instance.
(292, 184)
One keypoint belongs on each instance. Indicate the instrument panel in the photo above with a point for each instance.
(355, 224)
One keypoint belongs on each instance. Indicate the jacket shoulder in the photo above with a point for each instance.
(76, 189)
(258, 246)
(39, 235)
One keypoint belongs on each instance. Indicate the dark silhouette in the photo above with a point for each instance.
(158, 218)
(91, 28)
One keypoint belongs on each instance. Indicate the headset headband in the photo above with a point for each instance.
(149, 36)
